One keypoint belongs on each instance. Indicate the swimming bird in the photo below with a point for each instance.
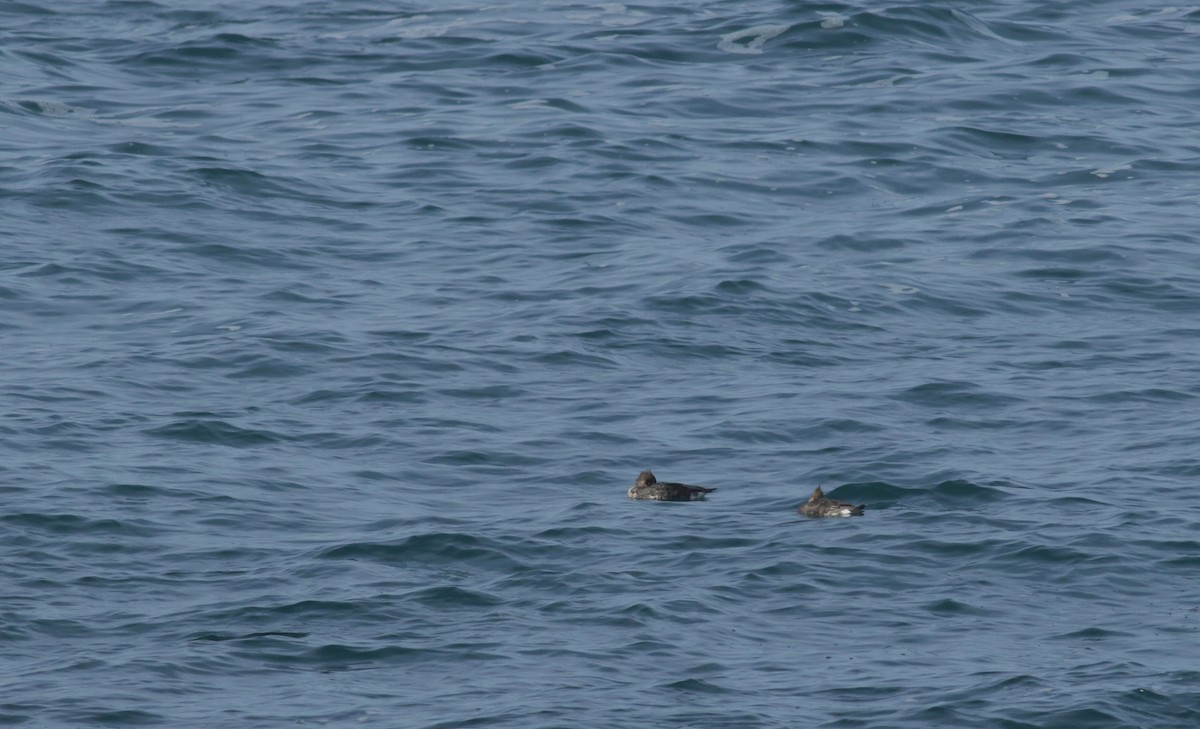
(650, 488)
(818, 505)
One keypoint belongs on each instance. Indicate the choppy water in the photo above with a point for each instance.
(334, 332)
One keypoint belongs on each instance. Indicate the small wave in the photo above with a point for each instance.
(1091, 634)
(451, 596)
(215, 432)
(949, 607)
(954, 394)
(72, 524)
(341, 657)
(223, 637)
(127, 717)
(434, 549)
(696, 685)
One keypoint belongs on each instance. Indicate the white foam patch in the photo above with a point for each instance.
(1105, 172)
(418, 26)
(48, 108)
(758, 36)
(409, 28)
(830, 20)
(140, 121)
(65, 111)
(979, 26)
(157, 314)
(885, 83)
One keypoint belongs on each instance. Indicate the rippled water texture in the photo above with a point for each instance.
(334, 333)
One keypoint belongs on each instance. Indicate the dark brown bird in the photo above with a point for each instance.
(818, 505)
(650, 488)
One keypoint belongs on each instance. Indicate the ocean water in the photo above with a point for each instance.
(333, 334)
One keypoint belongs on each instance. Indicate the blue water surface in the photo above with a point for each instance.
(334, 333)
